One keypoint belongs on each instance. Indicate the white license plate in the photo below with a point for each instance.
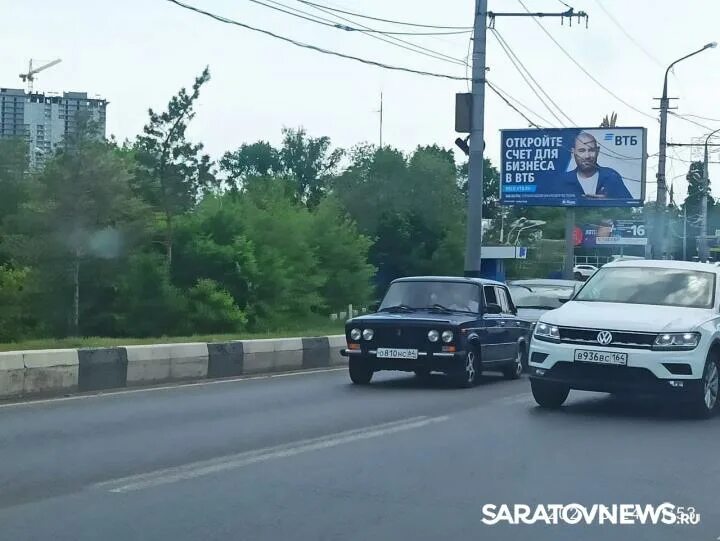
(392, 353)
(602, 357)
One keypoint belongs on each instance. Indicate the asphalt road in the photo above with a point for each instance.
(311, 457)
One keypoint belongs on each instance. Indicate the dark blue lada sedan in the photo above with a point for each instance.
(458, 326)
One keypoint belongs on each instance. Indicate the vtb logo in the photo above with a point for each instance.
(621, 140)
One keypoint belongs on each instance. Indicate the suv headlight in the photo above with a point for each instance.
(368, 334)
(549, 333)
(355, 334)
(681, 340)
(433, 336)
(447, 337)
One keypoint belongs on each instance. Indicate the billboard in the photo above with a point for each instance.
(573, 167)
(612, 233)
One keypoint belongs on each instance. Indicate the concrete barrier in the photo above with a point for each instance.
(148, 364)
(226, 359)
(258, 356)
(103, 368)
(337, 343)
(12, 374)
(188, 361)
(316, 352)
(288, 354)
(50, 371)
(56, 372)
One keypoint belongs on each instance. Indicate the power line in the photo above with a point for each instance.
(582, 68)
(682, 117)
(366, 30)
(628, 35)
(402, 23)
(519, 66)
(564, 4)
(518, 111)
(315, 48)
(521, 104)
(700, 117)
(350, 28)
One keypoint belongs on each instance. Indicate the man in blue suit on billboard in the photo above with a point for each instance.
(589, 179)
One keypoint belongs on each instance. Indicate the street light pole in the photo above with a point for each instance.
(703, 205)
(661, 201)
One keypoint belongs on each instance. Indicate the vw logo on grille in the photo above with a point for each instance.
(604, 338)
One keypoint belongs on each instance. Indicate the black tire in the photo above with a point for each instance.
(704, 403)
(549, 395)
(515, 370)
(360, 372)
(468, 376)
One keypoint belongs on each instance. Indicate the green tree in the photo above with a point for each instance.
(412, 206)
(172, 172)
(307, 163)
(81, 209)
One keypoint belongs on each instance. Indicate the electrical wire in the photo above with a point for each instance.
(582, 68)
(521, 104)
(315, 48)
(350, 28)
(700, 117)
(402, 23)
(389, 39)
(628, 35)
(682, 117)
(518, 111)
(519, 66)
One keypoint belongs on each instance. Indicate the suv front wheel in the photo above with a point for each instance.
(548, 394)
(705, 401)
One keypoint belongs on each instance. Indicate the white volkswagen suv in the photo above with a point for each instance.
(642, 327)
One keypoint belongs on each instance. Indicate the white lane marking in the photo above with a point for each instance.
(111, 392)
(208, 467)
(516, 399)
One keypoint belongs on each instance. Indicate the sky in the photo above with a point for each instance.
(138, 53)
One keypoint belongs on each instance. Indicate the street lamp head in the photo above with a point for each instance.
(711, 45)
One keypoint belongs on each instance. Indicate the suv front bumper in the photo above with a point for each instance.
(647, 372)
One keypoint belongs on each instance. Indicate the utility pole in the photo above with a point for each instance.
(473, 242)
(684, 232)
(473, 255)
(661, 200)
(703, 205)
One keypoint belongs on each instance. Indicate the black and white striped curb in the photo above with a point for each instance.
(61, 371)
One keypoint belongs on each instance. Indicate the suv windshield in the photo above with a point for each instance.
(656, 286)
(432, 295)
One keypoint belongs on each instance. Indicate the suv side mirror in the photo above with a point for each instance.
(493, 308)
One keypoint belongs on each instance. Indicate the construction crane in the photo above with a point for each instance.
(29, 77)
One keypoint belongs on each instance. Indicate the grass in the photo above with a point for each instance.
(328, 329)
